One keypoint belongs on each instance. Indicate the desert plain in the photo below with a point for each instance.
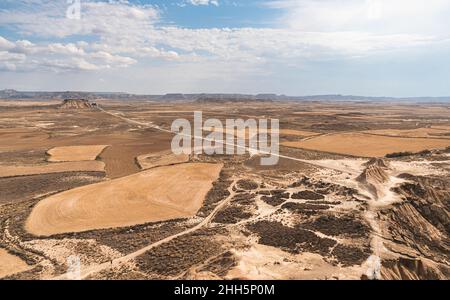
(361, 191)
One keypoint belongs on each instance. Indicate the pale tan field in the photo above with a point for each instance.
(359, 144)
(314, 215)
(447, 128)
(21, 138)
(297, 132)
(24, 103)
(419, 132)
(243, 134)
(246, 133)
(10, 264)
(80, 166)
(75, 153)
(316, 113)
(160, 159)
(155, 195)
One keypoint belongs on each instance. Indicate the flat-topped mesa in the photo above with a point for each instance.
(374, 175)
(77, 104)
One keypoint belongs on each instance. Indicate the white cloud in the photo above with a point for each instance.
(373, 16)
(9, 61)
(118, 34)
(47, 18)
(24, 46)
(112, 60)
(312, 29)
(204, 2)
(11, 57)
(68, 49)
(71, 64)
(25, 55)
(259, 45)
(5, 44)
(200, 2)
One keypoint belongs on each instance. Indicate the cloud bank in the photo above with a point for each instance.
(120, 34)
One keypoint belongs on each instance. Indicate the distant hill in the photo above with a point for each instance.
(76, 104)
(224, 99)
(13, 94)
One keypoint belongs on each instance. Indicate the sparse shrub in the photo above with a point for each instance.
(309, 195)
(399, 154)
(247, 184)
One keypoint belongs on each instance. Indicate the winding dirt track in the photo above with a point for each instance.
(84, 273)
(117, 262)
(250, 150)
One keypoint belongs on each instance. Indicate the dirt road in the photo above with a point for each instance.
(250, 150)
(84, 273)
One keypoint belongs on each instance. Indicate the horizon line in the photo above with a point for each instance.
(219, 93)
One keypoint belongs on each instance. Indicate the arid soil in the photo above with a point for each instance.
(164, 158)
(80, 166)
(358, 144)
(75, 153)
(76, 104)
(10, 264)
(151, 196)
(334, 207)
(431, 132)
(20, 188)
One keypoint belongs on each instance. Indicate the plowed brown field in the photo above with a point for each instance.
(150, 196)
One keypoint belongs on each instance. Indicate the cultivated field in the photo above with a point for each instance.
(79, 166)
(21, 138)
(159, 159)
(443, 133)
(297, 132)
(10, 264)
(358, 144)
(151, 196)
(75, 153)
(134, 210)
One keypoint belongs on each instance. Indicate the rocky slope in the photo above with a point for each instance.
(76, 104)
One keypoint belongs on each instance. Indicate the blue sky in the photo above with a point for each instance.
(294, 47)
(232, 14)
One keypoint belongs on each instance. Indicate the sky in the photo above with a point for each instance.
(293, 47)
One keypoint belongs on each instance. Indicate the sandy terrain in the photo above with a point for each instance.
(269, 263)
(314, 215)
(419, 132)
(243, 133)
(289, 132)
(294, 132)
(21, 138)
(154, 195)
(359, 144)
(447, 128)
(10, 264)
(75, 153)
(80, 166)
(121, 159)
(160, 159)
(60, 250)
(24, 103)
